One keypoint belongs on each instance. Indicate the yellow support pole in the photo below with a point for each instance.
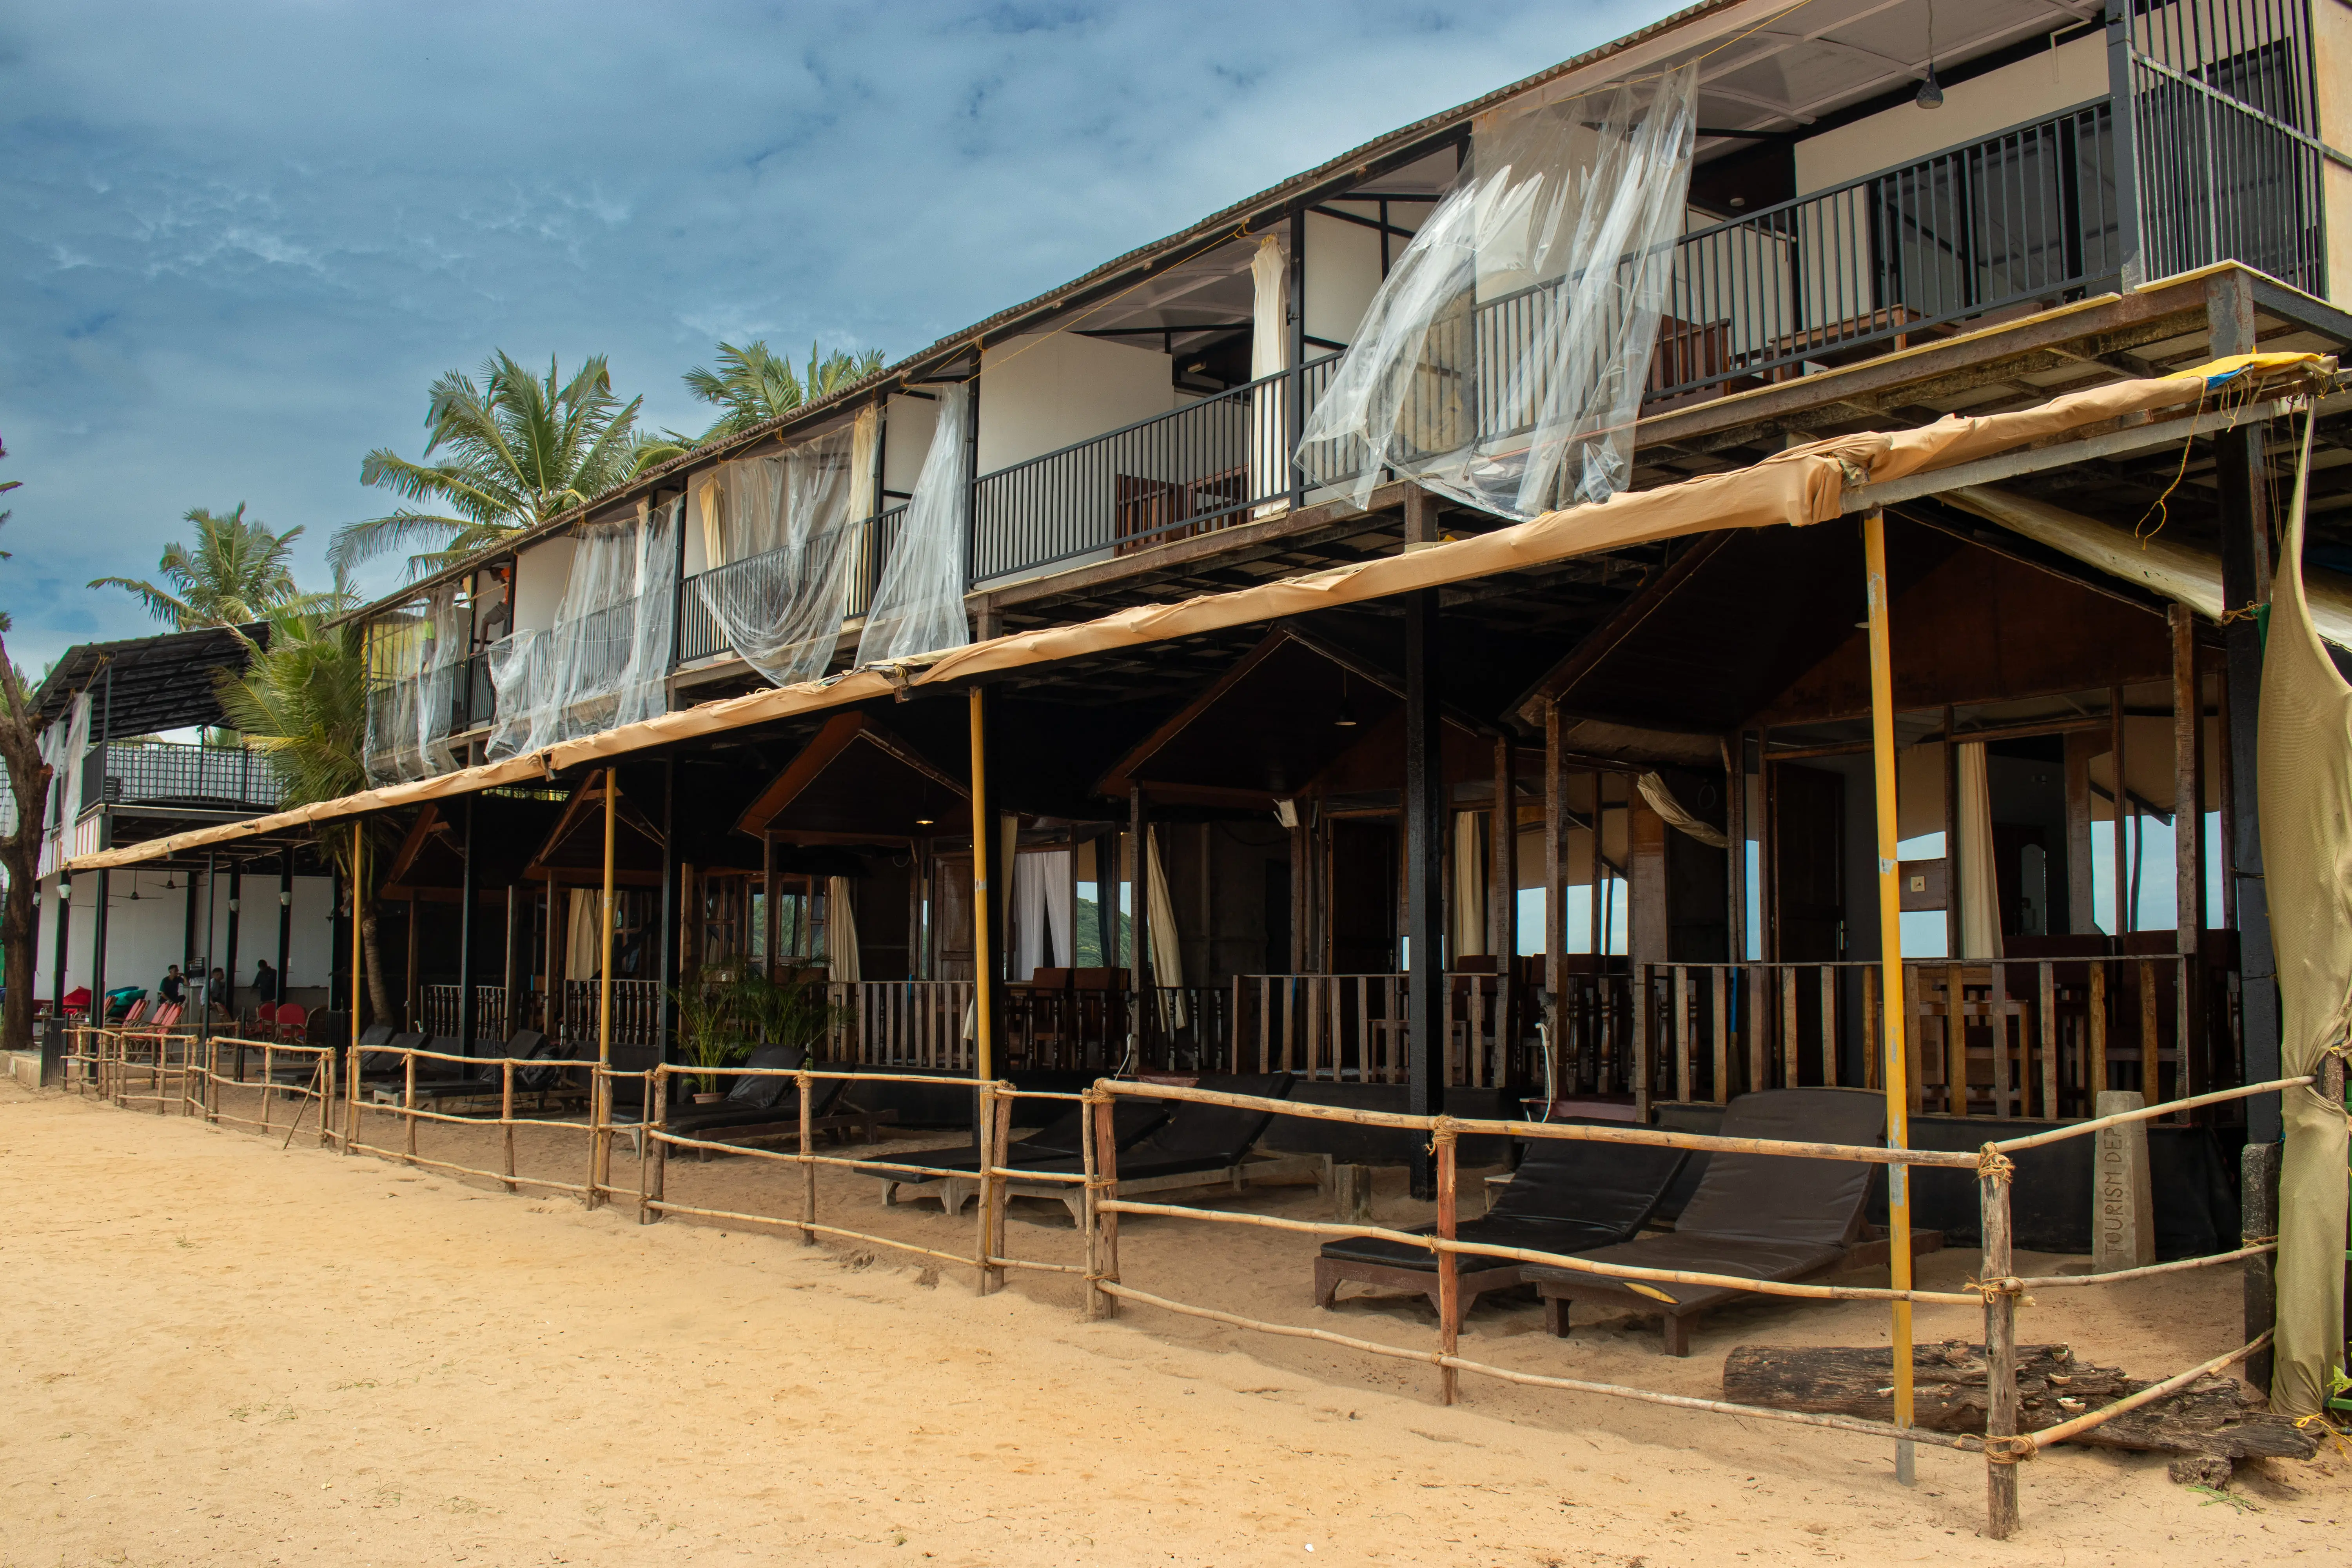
(1890, 948)
(602, 1100)
(984, 993)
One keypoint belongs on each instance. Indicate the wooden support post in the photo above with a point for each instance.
(1095, 1305)
(1105, 1264)
(1554, 793)
(2120, 819)
(653, 1179)
(994, 1199)
(1502, 867)
(358, 983)
(2001, 1347)
(408, 1105)
(1449, 1286)
(1890, 948)
(984, 907)
(599, 1089)
(1426, 821)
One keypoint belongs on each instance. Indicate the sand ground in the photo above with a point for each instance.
(221, 1350)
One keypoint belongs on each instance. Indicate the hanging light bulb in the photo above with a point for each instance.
(1345, 719)
(1931, 94)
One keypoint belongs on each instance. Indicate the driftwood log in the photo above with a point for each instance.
(2216, 1417)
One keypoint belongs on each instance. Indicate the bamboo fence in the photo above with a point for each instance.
(105, 1061)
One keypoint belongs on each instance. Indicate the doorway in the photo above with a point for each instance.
(1364, 896)
(1808, 817)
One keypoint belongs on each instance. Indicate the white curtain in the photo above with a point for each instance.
(606, 661)
(1972, 860)
(1569, 212)
(789, 533)
(412, 708)
(841, 931)
(1041, 911)
(1269, 355)
(1167, 945)
(919, 606)
(67, 764)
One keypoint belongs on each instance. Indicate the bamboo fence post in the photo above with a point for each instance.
(329, 1093)
(268, 1079)
(1106, 1142)
(653, 1172)
(2048, 1028)
(408, 1105)
(806, 1086)
(1096, 1305)
(1993, 1176)
(1449, 1288)
(506, 1116)
(1000, 1138)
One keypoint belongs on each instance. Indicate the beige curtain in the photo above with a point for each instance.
(2304, 779)
(861, 460)
(583, 947)
(1469, 889)
(1166, 949)
(1972, 860)
(840, 932)
(1269, 355)
(1662, 801)
(706, 505)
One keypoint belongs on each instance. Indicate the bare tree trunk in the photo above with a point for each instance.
(378, 997)
(20, 852)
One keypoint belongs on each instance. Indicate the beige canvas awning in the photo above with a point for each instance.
(1801, 486)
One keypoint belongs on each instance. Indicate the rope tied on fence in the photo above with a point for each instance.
(1441, 1130)
(1994, 1164)
(2011, 1450)
(2000, 1285)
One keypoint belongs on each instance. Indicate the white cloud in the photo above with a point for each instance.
(243, 239)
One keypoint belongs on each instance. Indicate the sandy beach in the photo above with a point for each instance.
(226, 1350)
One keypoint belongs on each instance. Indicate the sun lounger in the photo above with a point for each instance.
(1198, 1145)
(1567, 1196)
(484, 1082)
(1756, 1216)
(765, 1108)
(954, 1173)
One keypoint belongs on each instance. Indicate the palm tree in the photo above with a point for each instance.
(751, 384)
(238, 572)
(303, 700)
(520, 449)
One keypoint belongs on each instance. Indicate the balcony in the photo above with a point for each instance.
(163, 773)
(699, 634)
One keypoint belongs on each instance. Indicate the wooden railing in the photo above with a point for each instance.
(437, 1009)
(2027, 1037)
(902, 1024)
(636, 1015)
(1352, 1028)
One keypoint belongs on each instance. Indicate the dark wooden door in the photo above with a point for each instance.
(1363, 908)
(1808, 864)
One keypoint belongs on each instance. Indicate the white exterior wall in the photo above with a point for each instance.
(2071, 74)
(541, 574)
(1038, 394)
(909, 422)
(1343, 273)
(145, 934)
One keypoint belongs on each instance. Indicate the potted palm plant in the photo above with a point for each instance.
(710, 1025)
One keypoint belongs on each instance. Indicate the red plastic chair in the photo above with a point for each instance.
(265, 1021)
(291, 1019)
(77, 1002)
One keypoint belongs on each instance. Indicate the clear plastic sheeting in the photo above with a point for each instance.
(788, 534)
(417, 680)
(1502, 361)
(606, 660)
(919, 607)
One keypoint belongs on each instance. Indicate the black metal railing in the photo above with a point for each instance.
(699, 634)
(2030, 214)
(165, 772)
(1203, 467)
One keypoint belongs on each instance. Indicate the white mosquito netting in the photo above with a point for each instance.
(416, 697)
(1502, 361)
(919, 607)
(606, 660)
(782, 533)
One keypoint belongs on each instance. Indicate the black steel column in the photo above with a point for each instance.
(57, 959)
(285, 919)
(205, 979)
(188, 942)
(469, 893)
(97, 957)
(1139, 927)
(236, 909)
(1295, 411)
(1424, 845)
(2240, 477)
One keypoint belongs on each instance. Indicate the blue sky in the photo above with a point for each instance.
(240, 240)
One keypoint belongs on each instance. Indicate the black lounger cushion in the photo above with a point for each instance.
(1567, 1196)
(1761, 1217)
(763, 1092)
(1057, 1142)
(1196, 1136)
